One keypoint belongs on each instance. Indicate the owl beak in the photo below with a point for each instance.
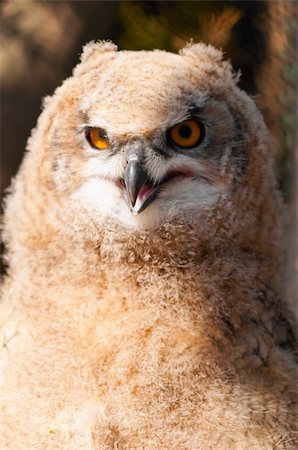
(138, 189)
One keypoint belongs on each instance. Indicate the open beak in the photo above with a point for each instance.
(139, 191)
(138, 187)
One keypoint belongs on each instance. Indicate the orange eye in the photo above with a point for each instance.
(98, 138)
(187, 134)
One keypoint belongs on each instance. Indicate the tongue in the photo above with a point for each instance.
(143, 195)
(145, 190)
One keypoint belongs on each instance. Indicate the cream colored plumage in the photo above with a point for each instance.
(154, 329)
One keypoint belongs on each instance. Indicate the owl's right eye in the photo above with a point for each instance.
(186, 134)
(97, 138)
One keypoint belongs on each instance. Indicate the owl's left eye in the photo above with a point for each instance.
(187, 133)
(97, 138)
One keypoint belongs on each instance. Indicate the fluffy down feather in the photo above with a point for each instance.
(158, 331)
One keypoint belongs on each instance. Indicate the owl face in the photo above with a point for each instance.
(145, 179)
(149, 136)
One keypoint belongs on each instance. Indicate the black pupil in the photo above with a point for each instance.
(102, 133)
(185, 131)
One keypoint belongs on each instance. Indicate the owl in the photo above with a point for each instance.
(142, 308)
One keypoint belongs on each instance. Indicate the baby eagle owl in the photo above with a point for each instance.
(141, 309)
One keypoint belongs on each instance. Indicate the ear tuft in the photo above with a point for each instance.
(199, 49)
(91, 55)
(211, 58)
(95, 48)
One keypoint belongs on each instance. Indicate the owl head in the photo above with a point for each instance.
(146, 140)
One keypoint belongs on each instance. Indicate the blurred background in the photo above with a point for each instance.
(42, 41)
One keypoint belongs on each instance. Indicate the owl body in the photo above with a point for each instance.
(142, 308)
